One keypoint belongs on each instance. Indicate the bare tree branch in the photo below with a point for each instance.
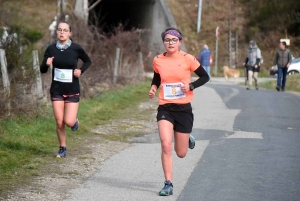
(95, 4)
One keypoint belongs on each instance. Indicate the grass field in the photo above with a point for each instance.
(292, 83)
(28, 144)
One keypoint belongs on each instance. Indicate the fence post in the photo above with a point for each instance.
(6, 83)
(141, 66)
(116, 65)
(39, 85)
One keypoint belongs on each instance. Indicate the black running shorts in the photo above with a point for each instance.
(73, 98)
(182, 118)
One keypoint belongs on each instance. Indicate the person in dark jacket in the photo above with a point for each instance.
(252, 64)
(65, 90)
(283, 59)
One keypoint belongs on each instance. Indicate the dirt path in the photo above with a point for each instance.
(56, 180)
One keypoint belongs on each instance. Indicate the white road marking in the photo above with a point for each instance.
(246, 135)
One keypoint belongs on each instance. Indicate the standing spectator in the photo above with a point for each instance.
(252, 64)
(65, 89)
(172, 73)
(204, 59)
(283, 59)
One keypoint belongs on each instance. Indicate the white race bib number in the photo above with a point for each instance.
(63, 75)
(173, 91)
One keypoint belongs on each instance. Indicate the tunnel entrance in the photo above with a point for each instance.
(148, 17)
(132, 14)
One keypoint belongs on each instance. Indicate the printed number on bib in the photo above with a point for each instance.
(63, 75)
(173, 91)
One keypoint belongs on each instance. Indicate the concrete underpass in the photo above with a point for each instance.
(153, 15)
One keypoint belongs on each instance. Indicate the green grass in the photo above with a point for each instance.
(27, 144)
(292, 83)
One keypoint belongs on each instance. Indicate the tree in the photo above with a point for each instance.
(82, 9)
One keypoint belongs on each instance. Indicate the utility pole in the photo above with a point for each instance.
(236, 36)
(199, 16)
(236, 49)
(232, 37)
(216, 58)
(229, 41)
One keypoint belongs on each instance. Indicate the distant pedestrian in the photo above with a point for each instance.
(252, 64)
(65, 91)
(283, 59)
(172, 72)
(205, 59)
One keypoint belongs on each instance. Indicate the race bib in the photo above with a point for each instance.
(63, 75)
(173, 91)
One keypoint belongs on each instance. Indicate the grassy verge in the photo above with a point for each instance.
(292, 84)
(29, 144)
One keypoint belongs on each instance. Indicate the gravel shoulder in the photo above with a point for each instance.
(56, 179)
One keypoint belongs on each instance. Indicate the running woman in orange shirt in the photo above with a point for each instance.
(172, 73)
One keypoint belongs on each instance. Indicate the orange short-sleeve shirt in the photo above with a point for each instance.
(175, 70)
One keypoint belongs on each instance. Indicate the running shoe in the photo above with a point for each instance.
(192, 142)
(167, 189)
(76, 125)
(62, 152)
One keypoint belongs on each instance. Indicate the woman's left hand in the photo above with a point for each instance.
(77, 73)
(185, 87)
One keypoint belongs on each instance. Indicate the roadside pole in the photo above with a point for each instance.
(199, 16)
(216, 58)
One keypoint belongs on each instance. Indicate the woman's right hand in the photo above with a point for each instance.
(49, 61)
(152, 91)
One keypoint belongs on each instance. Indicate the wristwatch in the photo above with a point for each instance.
(192, 87)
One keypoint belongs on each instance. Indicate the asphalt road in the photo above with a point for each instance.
(247, 148)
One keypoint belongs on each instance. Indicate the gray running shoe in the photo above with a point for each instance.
(167, 189)
(192, 142)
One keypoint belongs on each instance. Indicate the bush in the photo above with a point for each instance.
(32, 35)
(101, 47)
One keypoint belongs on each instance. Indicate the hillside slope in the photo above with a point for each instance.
(216, 13)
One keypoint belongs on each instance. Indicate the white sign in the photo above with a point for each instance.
(287, 41)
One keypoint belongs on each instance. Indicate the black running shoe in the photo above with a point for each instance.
(76, 125)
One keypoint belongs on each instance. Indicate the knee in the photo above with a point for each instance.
(181, 154)
(60, 124)
(70, 123)
(167, 149)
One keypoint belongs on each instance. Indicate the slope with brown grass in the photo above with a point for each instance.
(215, 13)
